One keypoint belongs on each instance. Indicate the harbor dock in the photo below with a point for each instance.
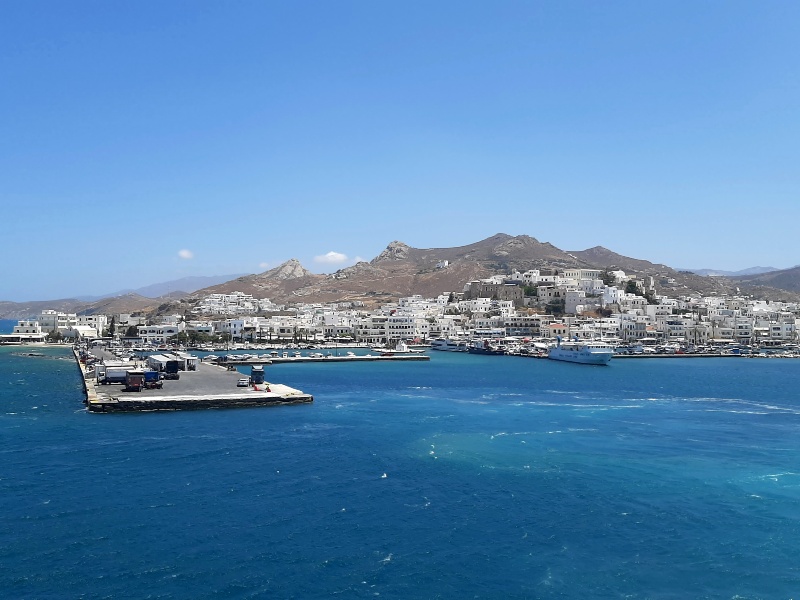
(209, 386)
(680, 355)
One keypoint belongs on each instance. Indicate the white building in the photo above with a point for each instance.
(25, 331)
(476, 305)
(52, 320)
(371, 329)
(80, 332)
(28, 327)
(97, 322)
(157, 334)
(530, 277)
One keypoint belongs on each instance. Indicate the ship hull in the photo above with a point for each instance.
(581, 356)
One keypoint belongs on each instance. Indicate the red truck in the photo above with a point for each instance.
(134, 381)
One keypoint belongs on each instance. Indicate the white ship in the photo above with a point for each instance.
(400, 348)
(585, 352)
(449, 345)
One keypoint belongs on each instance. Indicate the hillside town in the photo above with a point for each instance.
(536, 304)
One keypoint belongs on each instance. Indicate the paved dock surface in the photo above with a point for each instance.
(210, 386)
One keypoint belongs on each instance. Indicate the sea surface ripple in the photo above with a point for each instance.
(465, 476)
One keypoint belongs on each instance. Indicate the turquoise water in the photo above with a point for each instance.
(504, 478)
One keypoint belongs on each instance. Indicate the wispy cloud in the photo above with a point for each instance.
(331, 258)
(263, 265)
(185, 254)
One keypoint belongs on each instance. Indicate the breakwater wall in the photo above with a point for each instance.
(125, 405)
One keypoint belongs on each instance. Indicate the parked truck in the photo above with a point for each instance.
(113, 375)
(152, 380)
(257, 374)
(171, 368)
(134, 380)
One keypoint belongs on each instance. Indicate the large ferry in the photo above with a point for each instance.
(585, 352)
(449, 345)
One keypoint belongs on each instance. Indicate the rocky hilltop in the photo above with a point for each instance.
(283, 283)
(401, 270)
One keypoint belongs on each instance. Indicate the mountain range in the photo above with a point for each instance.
(401, 270)
(175, 288)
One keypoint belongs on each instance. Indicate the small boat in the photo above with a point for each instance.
(485, 347)
(401, 348)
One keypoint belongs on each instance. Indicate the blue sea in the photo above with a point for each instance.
(462, 477)
(7, 325)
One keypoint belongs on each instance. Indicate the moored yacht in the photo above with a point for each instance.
(586, 352)
(448, 345)
(485, 347)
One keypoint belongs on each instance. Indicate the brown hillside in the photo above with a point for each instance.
(23, 310)
(667, 280)
(400, 270)
(500, 253)
(785, 279)
(603, 258)
(281, 284)
(128, 303)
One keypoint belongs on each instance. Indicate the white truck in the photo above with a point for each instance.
(111, 374)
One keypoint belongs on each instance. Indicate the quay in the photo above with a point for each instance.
(209, 386)
(679, 355)
(281, 360)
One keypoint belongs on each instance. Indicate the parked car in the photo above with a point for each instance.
(244, 382)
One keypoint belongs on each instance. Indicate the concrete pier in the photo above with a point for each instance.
(703, 355)
(210, 386)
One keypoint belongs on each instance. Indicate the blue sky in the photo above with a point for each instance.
(147, 141)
